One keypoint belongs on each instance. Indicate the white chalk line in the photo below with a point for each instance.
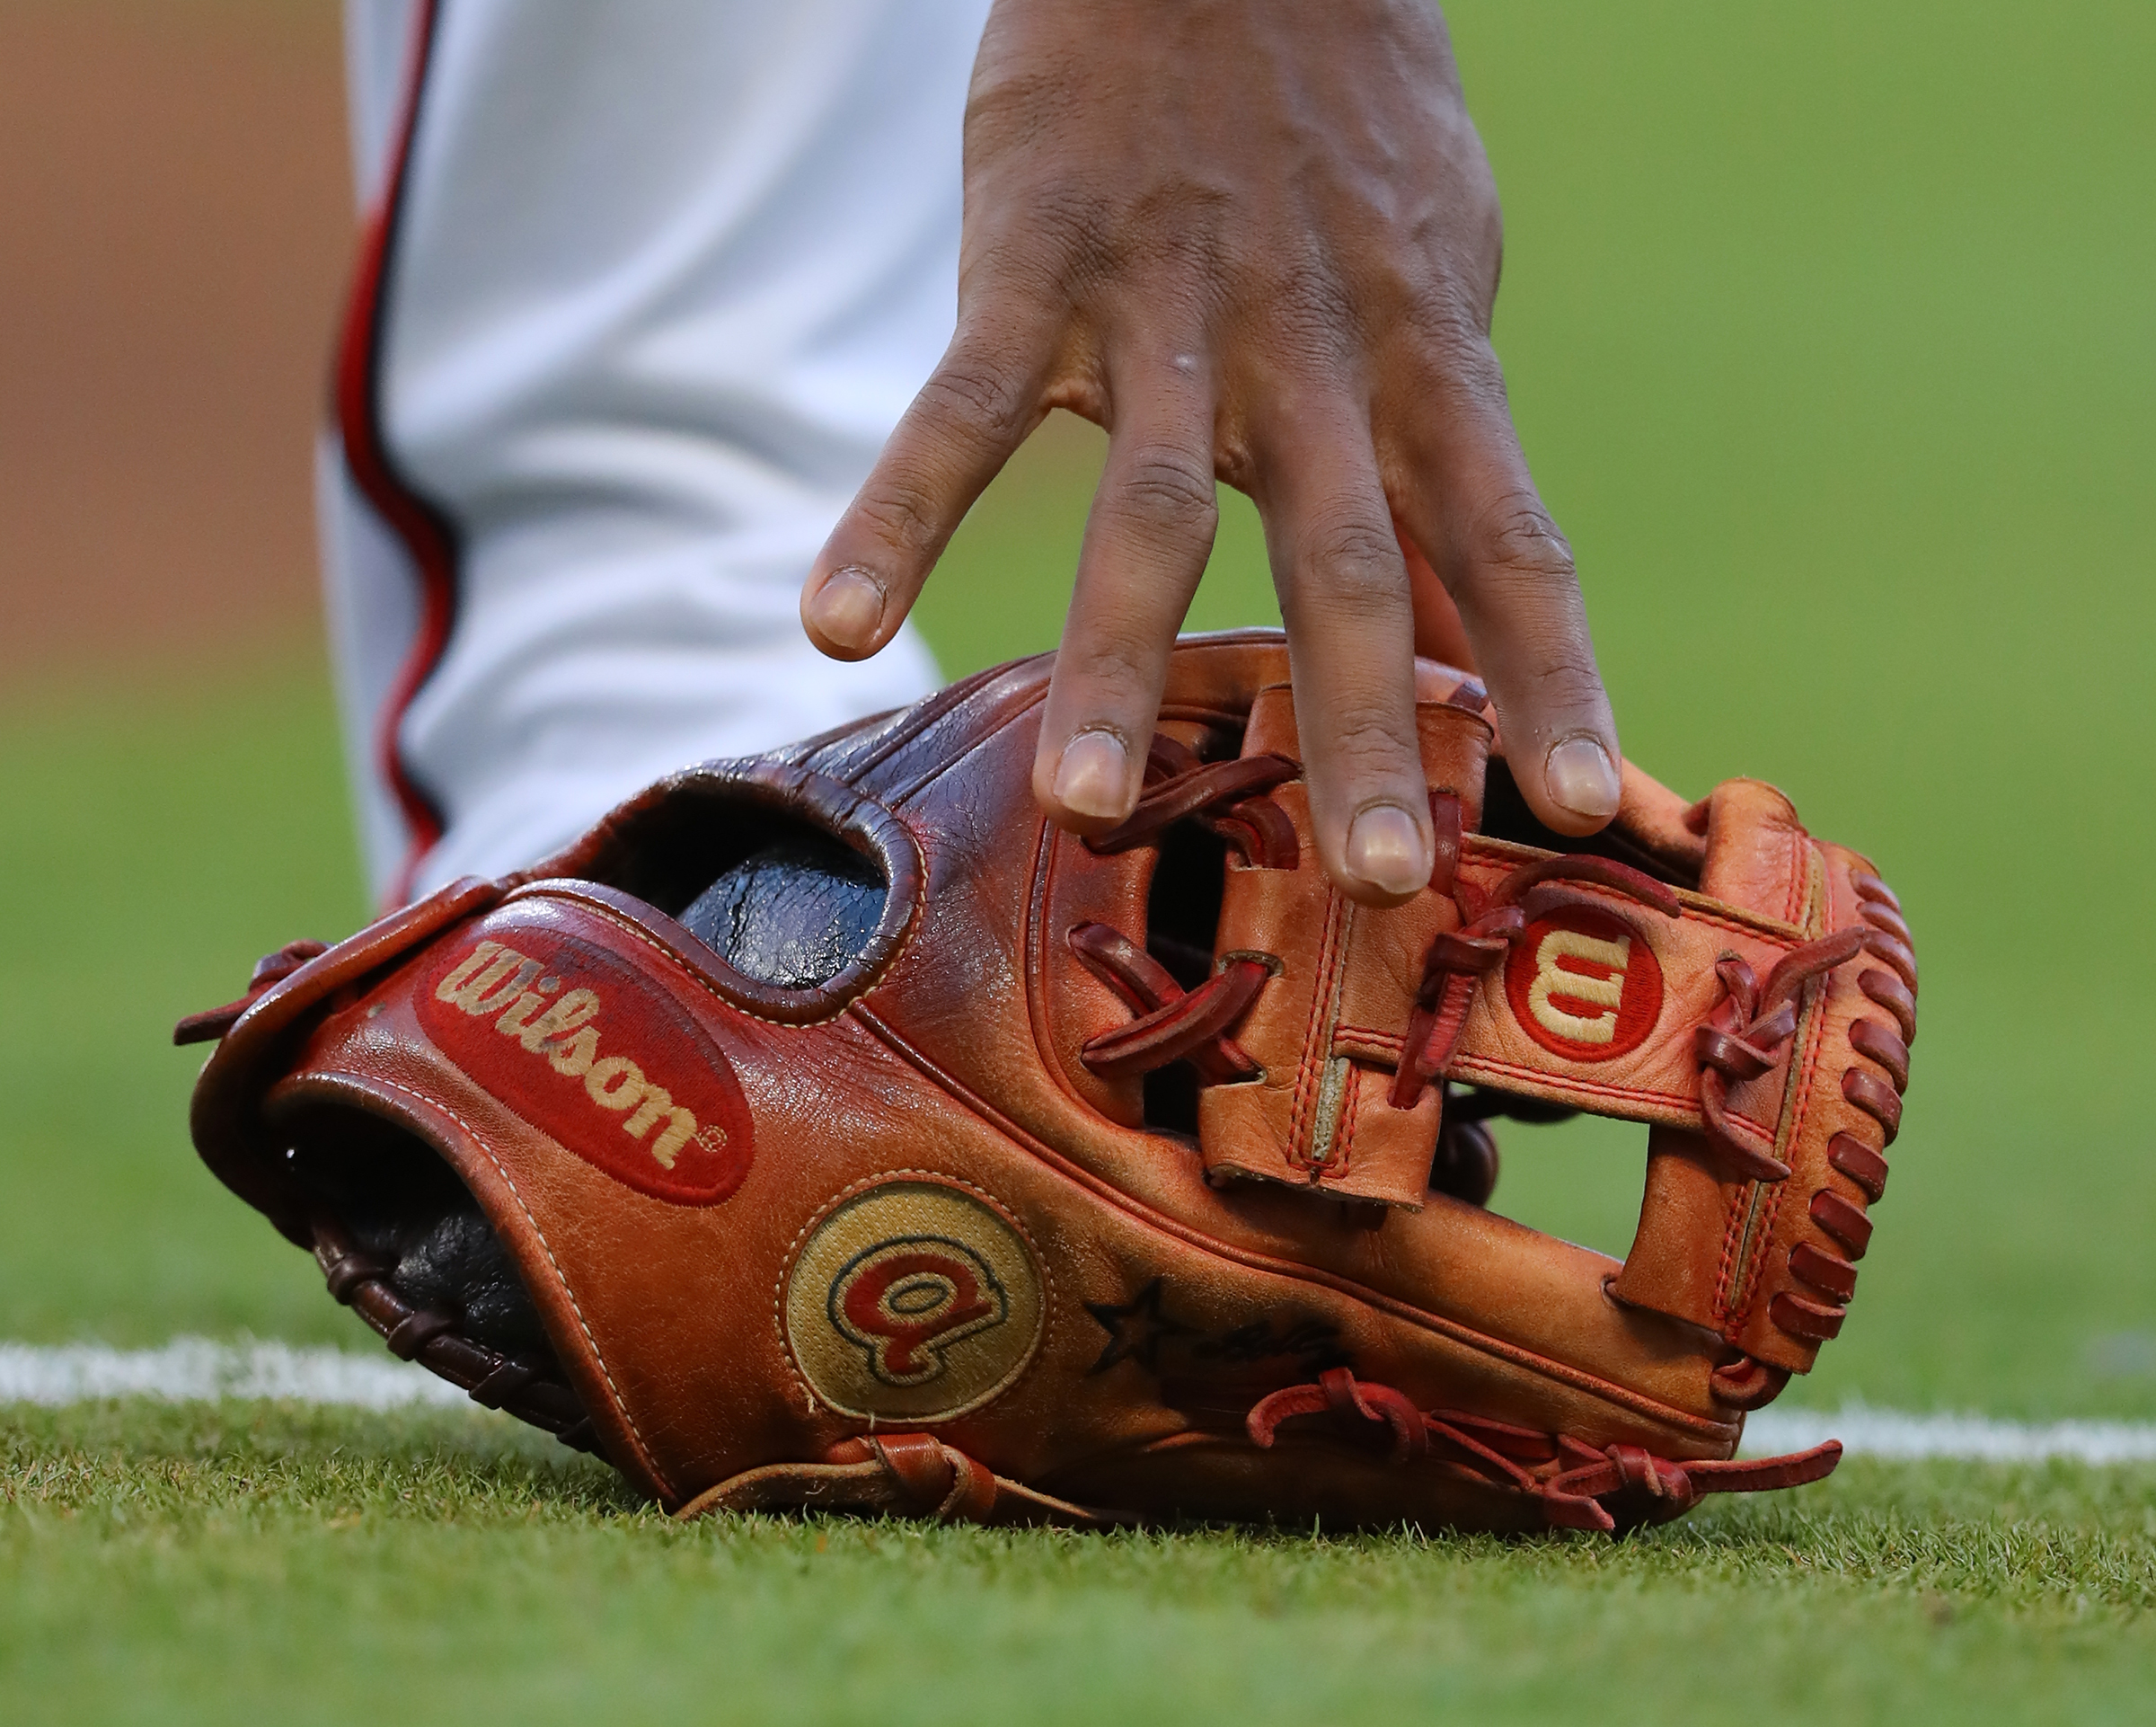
(194, 1368)
(1867, 1432)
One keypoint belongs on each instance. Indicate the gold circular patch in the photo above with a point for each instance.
(915, 1300)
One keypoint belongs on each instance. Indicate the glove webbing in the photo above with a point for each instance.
(488, 1378)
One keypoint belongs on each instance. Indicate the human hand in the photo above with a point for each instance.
(1256, 240)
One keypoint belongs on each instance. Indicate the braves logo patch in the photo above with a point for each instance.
(1583, 983)
(915, 1300)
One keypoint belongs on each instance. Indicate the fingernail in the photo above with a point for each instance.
(1088, 779)
(1582, 778)
(848, 608)
(1385, 849)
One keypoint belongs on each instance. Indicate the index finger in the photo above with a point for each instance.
(980, 405)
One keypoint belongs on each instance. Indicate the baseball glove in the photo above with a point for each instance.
(828, 1129)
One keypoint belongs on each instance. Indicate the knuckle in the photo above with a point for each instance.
(1313, 317)
(974, 396)
(903, 514)
(1567, 678)
(1109, 667)
(1370, 748)
(1169, 492)
(1357, 559)
(1446, 330)
(1044, 251)
(1517, 542)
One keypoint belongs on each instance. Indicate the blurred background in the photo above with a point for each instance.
(1830, 336)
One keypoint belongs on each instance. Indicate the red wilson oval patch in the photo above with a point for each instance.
(578, 1044)
(1583, 983)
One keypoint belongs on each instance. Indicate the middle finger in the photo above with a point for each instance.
(1343, 588)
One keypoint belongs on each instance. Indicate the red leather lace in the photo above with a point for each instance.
(1742, 1038)
(1576, 1485)
(1227, 797)
(213, 1023)
(1173, 1024)
(1176, 1024)
(912, 1474)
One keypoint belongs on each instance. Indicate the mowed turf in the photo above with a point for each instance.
(1828, 335)
(211, 1564)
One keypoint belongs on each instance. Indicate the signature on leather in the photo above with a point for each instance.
(1141, 1330)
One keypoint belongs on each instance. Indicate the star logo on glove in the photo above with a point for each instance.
(1135, 1330)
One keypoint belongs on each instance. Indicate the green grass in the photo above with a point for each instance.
(159, 835)
(1828, 332)
(318, 1568)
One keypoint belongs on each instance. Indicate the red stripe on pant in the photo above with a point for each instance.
(425, 529)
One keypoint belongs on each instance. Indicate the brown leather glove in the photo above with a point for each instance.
(828, 1129)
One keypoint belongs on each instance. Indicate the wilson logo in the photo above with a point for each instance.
(549, 1027)
(1583, 983)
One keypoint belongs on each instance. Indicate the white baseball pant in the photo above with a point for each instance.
(643, 286)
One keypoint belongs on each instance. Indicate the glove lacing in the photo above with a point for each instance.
(1574, 1485)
